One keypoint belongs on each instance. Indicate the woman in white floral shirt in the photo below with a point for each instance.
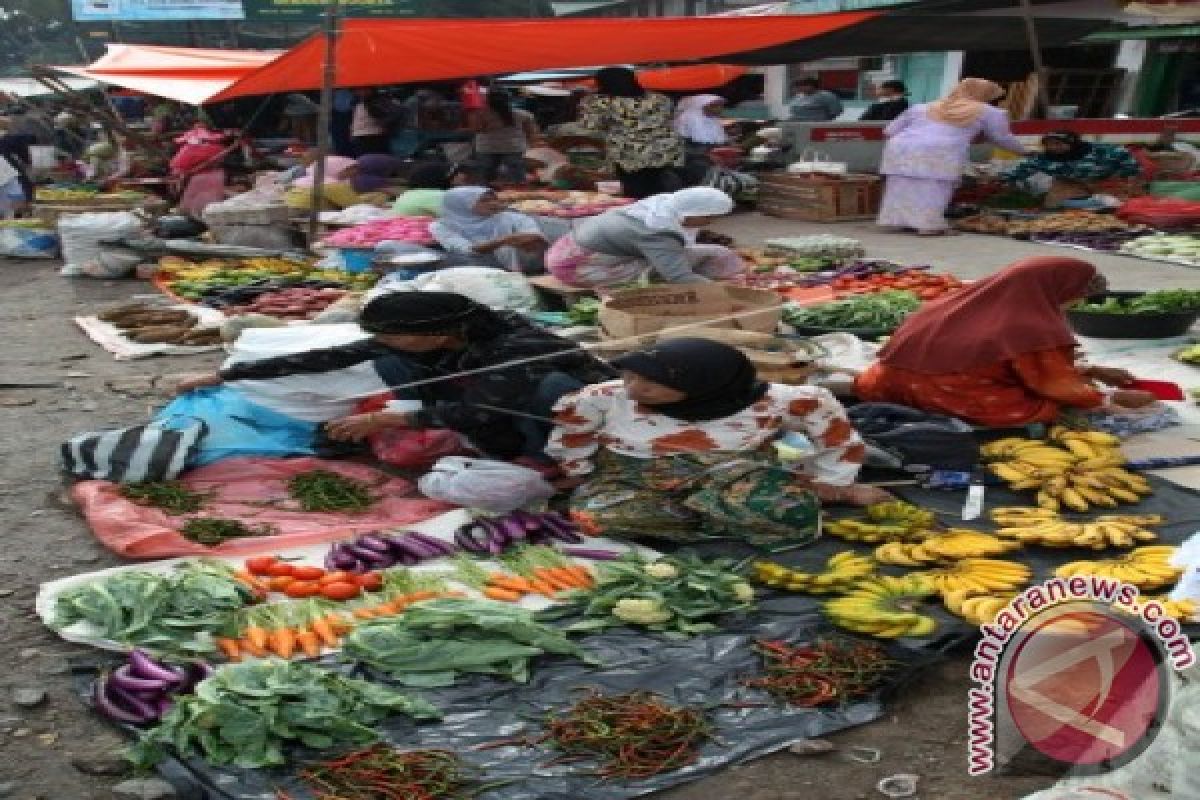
(679, 448)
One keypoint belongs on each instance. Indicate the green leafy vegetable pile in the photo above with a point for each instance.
(432, 644)
(322, 490)
(170, 613)
(674, 594)
(212, 531)
(245, 713)
(877, 311)
(585, 311)
(170, 496)
(1168, 301)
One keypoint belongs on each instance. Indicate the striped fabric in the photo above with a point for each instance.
(132, 455)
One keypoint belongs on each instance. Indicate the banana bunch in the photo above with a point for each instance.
(47, 195)
(885, 607)
(885, 522)
(977, 609)
(1145, 567)
(842, 572)
(978, 575)
(950, 545)
(1176, 609)
(1043, 527)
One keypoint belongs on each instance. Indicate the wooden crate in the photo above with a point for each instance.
(820, 198)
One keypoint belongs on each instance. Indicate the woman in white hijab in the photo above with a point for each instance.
(477, 230)
(655, 235)
(698, 123)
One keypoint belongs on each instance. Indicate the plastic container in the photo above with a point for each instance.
(357, 259)
(1129, 326)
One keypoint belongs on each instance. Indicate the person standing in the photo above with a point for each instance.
(642, 147)
(891, 100)
(927, 148)
(811, 103)
(698, 123)
(368, 132)
(502, 135)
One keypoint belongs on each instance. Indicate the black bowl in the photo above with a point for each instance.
(1129, 326)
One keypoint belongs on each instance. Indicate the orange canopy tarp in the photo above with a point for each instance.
(382, 52)
(188, 74)
(686, 79)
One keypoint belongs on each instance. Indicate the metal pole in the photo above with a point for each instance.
(328, 82)
(1035, 50)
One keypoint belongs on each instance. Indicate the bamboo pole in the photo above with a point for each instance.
(324, 116)
(1042, 107)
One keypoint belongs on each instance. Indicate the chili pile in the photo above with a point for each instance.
(170, 496)
(322, 490)
(383, 773)
(212, 531)
(819, 674)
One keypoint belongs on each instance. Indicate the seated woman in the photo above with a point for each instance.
(479, 372)
(375, 173)
(1079, 169)
(477, 230)
(656, 234)
(998, 353)
(427, 187)
(676, 449)
(337, 189)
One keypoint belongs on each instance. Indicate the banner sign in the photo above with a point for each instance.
(153, 10)
(311, 10)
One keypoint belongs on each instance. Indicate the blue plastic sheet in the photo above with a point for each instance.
(237, 427)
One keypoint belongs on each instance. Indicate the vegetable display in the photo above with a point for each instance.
(824, 673)
(374, 551)
(1176, 248)
(674, 594)
(634, 736)
(882, 311)
(146, 323)
(585, 311)
(1104, 241)
(1168, 301)
(562, 204)
(435, 643)
(175, 612)
(142, 690)
(223, 283)
(1056, 222)
(491, 535)
(384, 773)
(321, 491)
(821, 244)
(925, 285)
(212, 531)
(293, 302)
(389, 229)
(244, 715)
(170, 496)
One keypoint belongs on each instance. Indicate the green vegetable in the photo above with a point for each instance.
(880, 310)
(672, 594)
(245, 713)
(322, 490)
(585, 311)
(433, 643)
(170, 496)
(175, 613)
(212, 531)
(1168, 301)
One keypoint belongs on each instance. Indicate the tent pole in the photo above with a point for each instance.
(329, 80)
(1035, 51)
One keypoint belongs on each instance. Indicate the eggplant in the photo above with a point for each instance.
(495, 532)
(531, 522)
(407, 559)
(111, 710)
(592, 555)
(142, 666)
(124, 678)
(135, 705)
(373, 542)
(511, 528)
(419, 548)
(443, 548)
(369, 559)
(565, 536)
(472, 538)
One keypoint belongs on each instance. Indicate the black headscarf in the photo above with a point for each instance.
(431, 313)
(1079, 148)
(719, 380)
(619, 82)
(431, 176)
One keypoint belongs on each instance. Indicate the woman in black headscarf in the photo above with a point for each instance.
(681, 447)
(489, 375)
(1078, 168)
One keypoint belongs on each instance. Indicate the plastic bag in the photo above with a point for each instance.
(81, 235)
(415, 449)
(494, 486)
(1161, 212)
(28, 243)
(495, 288)
(267, 237)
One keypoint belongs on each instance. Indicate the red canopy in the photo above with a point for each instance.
(686, 79)
(381, 52)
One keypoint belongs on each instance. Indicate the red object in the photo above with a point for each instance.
(471, 96)
(1163, 390)
(1161, 212)
(686, 79)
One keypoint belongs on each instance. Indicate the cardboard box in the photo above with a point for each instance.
(820, 198)
(637, 312)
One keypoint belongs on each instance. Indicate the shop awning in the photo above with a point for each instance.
(382, 52)
(1148, 32)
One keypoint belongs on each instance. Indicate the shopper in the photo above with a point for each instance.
(651, 236)
(811, 103)
(999, 352)
(891, 101)
(676, 450)
(643, 149)
(927, 148)
(698, 123)
(502, 135)
(368, 129)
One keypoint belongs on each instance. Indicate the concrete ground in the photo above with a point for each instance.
(57, 750)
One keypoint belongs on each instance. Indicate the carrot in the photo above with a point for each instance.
(566, 575)
(503, 595)
(325, 631)
(424, 594)
(309, 642)
(366, 612)
(339, 623)
(282, 642)
(550, 577)
(230, 648)
(511, 583)
(453, 594)
(394, 606)
(256, 636)
(252, 647)
(541, 587)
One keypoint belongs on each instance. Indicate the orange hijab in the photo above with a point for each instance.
(1016, 311)
(965, 103)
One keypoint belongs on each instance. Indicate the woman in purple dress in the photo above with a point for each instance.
(927, 148)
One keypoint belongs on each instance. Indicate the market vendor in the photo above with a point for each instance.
(427, 187)
(476, 230)
(337, 189)
(471, 366)
(1078, 169)
(653, 235)
(677, 449)
(999, 353)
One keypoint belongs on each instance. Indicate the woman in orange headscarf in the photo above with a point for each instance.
(927, 148)
(999, 352)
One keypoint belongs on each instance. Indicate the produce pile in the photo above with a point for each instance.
(1057, 222)
(821, 245)
(1167, 301)
(585, 311)
(142, 690)
(414, 230)
(882, 311)
(383, 773)
(925, 285)
(1176, 248)
(145, 323)
(212, 531)
(81, 195)
(212, 282)
(1103, 241)
(303, 300)
(1189, 354)
(823, 673)
(562, 204)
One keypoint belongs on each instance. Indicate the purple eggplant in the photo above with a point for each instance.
(373, 542)
(406, 547)
(420, 548)
(369, 559)
(495, 531)
(124, 678)
(512, 528)
(592, 555)
(442, 548)
(110, 709)
(339, 559)
(531, 522)
(130, 702)
(143, 666)
(472, 538)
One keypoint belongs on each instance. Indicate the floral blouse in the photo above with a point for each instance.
(637, 130)
(603, 416)
(1101, 161)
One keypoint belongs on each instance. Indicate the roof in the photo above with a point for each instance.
(1147, 32)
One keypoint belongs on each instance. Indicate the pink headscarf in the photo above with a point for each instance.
(334, 167)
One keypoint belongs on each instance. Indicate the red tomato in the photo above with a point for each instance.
(261, 565)
(339, 577)
(302, 589)
(308, 573)
(370, 581)
(340, 591)
(281, 569)
(280, 582)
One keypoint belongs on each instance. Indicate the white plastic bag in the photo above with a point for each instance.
(81, 235)
(28, 243)
(495, 288)
(814, 162)
(494, 486)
